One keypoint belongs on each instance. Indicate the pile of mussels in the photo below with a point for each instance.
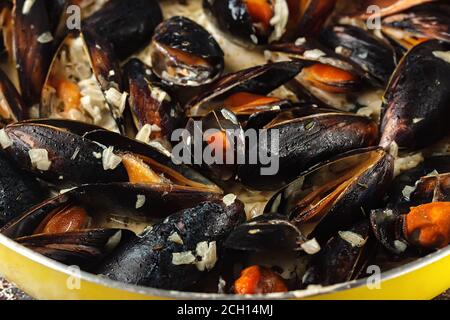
(87, 125)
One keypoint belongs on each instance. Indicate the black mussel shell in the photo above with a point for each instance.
(185, 54)
(84, 249)
(349, 187)
(259, 80)
(417, 98)
(269, 232)
(370, 53)
(304, 142)
(129, 26)
(18, 191)
(149, 101)
(342, 259)
(149, 259)
(33, 47)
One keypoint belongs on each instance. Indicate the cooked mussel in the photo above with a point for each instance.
(84, 83)
(300, 140)
(259, 280)
(245, 91)
(371, 54)
(417, 98)
(417, 211)
(221, 137)
(33, 47)
(176, 253)
(152, 108)
(336, 195)
(343, 258)
(264, 21)
(328, 71)
(185, 54)
(418, 24)
(62, 157)
(129, 26)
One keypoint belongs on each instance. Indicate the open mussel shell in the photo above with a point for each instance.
(67, 158)
(371, 54)
(178, 252)
(129, 26)
(299, 141)
(259, 80)
(417, 98)
(84, 248)
(222, 138)
(426, 183)
(343, 258)
(409, 28)
(158, 160)
(150, 103)
(269, 232)
(326, 71)
(12, 107)
(262, 22)
(18, 191)
(185, 54)
(335, 195)
(33, 47)
(84, 83)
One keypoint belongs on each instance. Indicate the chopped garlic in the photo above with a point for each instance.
(97, 155)
(117, 99)
(39, 159)
(5, 141)
(407, 191)
(444, 55)
(46, 37)
(400, 245)
(229, 199)
(175, 238)
(182, 258)
(311, 247)
(279, 20)
(353, 238)
(110, 160)
(140, 201)
(314, 54)
(144, 134)
(300, 41)
(27, 5)
(159, 94)
(208, 254)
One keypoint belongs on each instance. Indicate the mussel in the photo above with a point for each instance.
(129, 26)
(185, 54)
(300, 140)
(371, 54)
(417, 214)
(245, 92)
(343, 258)
(417, 98)
(176, 253)
(32, 47)
(419, 24)
(335, 195)
(263, 21)
(62, 157)
(154, 111)
(84, 83)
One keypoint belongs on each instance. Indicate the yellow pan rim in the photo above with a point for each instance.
(166, 294)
